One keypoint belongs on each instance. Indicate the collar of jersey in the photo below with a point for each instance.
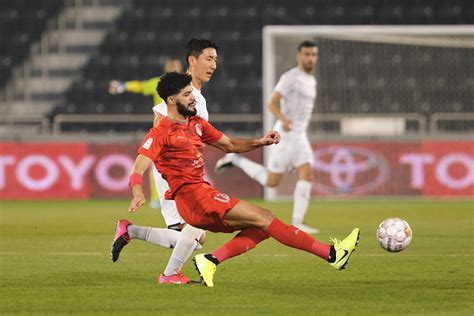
(177, 121)
(195, 88)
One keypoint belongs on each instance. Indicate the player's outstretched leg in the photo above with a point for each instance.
(121, 238)
(126, 231)
(206, 268)
(224, 163)
(254, 170)
(344, 249)
(244, 241)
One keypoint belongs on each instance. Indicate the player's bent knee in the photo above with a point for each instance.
(272, 184)
(305, 173)
(307, 177)
(193, 234)
(202, 239)
(273, 179)
(265, 219)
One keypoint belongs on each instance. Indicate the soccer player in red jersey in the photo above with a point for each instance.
(175, 146)
(201, 57)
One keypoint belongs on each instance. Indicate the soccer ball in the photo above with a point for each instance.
(394, 234)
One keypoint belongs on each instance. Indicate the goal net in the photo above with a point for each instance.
(401, 83)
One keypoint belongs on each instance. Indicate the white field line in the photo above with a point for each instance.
(91, 253)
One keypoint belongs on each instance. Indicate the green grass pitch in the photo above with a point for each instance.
(54, 259)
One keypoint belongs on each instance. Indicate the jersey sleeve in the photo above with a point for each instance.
(161, 109)
(151, 145)
(284, 85)
(210, 134)
(149, 86)
(145, 87)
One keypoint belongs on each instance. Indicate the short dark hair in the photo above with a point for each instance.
(195, 47)
(172, 83)
(307, 43)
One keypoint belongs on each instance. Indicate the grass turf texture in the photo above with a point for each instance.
(54, 259)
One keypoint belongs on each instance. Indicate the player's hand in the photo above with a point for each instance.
(272, 137)
(116, 87)
(286, 125)
(136, 203)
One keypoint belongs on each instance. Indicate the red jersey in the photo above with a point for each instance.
(176, 150)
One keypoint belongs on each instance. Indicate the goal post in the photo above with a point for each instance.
(370, 85)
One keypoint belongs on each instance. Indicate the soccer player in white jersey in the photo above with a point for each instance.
(201, 57)
(292, 104)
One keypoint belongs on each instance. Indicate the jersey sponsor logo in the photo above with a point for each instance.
(147, 143)
(344, 169)
(198, 163)
(222, 197)
(199, 129)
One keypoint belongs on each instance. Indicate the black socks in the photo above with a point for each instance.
(332, 255)
(211, 258)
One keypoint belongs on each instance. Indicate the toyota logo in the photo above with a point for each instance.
(348, 170)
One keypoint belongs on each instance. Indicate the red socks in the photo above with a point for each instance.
(286, 234)
(293, 237)
(244, 241)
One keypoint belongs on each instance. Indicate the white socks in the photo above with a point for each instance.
(163, 237)
(301, 197)
(188, 241)
(184, 242)
(254, 170)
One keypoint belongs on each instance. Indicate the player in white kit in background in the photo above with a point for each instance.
(201, 57)
(292, 104)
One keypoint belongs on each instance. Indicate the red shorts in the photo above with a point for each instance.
(202, 206)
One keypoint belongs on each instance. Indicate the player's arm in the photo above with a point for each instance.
(274, 107)
(119, 87)
(136, 178)
(146, 87)
(242, 145)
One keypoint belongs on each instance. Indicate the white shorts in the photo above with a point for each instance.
(168, 207)
(294, 150)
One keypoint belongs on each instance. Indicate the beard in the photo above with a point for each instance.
(308, 67)
(184, 111)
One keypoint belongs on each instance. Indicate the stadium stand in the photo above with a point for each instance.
(147, 32)
(25, 21)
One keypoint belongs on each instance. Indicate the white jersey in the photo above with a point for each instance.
(201, 106)
(298, 90)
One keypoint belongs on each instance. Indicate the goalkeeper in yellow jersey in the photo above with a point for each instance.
(147, 88)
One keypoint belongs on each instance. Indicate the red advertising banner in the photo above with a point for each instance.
(371, 168)
(44, 171)
(447, 170)
(378, 168)
(111, 169)
(81, 171)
